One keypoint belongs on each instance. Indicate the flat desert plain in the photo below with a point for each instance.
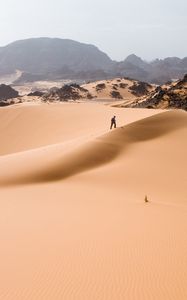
(74, 224)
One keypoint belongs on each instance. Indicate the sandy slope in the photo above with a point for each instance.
(30, 126)
(109, 85)
(74, 224)
(120, 85)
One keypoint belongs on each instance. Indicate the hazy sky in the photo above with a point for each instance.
(148, 28)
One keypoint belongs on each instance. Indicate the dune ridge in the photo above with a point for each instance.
(51, 164)
(25, 127)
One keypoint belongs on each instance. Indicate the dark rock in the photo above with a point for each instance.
(123, 85)
(100, 86)
(140, 88)
(115, 94)
(89, 96)
(7, 92)
(66, 93)
(36, 93)
(174, 96)
(80, 88)
(4, 103)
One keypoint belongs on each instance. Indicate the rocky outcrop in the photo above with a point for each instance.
(66, 93)
(100, 86)
(171, 96)
(36, 94)
(6, 94)
(116, 95)
(140, 88)
(123, 85)
(4, 103)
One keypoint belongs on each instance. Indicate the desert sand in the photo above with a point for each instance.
(73, 221)
(105, 93)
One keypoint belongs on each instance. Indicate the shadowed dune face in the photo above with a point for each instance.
(90, 155)
(157, 126)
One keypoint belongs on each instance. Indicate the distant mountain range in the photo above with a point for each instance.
(158, 71)
(55, 59)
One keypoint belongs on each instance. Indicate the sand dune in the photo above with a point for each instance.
(49, 163)
(73, 222)
(25, 127)
(106, 89)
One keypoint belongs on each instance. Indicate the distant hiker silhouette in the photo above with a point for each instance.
(113, 122)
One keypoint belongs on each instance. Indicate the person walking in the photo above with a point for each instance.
(113, 122)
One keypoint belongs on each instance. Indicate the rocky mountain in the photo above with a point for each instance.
(61, 59)
(50, 55)
(137, 62)
(158, 71)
